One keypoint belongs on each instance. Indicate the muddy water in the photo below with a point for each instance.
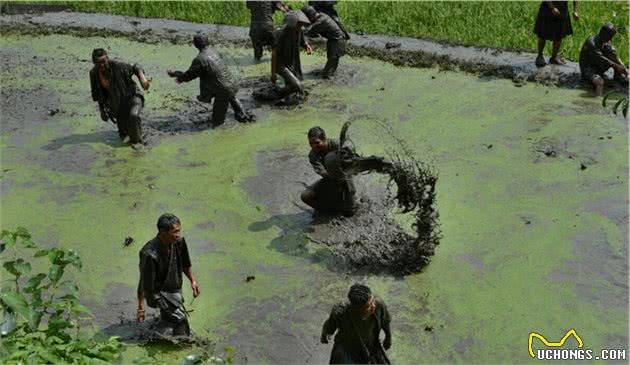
(532, 240)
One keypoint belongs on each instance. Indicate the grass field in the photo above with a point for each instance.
(492, 23)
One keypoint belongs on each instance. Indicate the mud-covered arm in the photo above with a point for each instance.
(329, 327)
(96, 94)
(147, 282)
(597, 56)
(318, 166)
(385, 323)
(314, 30)
(139, 72)
(192, 73)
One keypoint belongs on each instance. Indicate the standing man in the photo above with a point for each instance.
(118, 96)
(261, 28)
(215, 81)
(598, 55)
(324, 25)
(162, 262)
(328, 7)
(358, 325)
(285, 56)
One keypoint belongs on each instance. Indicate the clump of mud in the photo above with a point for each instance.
(373, 241)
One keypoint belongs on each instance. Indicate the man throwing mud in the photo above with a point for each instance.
(285, 56)
(215, 81)
(324, 25)
(261, 27)
(598, 55)
(119, 98)
(162, 262)
(336, 163)
(358, 325)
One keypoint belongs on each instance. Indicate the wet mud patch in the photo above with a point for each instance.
(76, 158)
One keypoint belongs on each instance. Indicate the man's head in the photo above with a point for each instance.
(296, 19)
(99, 58)
(310, 13)
(169, 228)
(362, 300)
(201, 41)
(607, 32)
(317, 139)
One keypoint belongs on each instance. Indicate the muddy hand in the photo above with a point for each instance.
(195, 289)
(309, 49)
(104, 116)
(140, 315)
(555, 12)
(576, 16)
(387, 343)
(146, 83)
(324, 339)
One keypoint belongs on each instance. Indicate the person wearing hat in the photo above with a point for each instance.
(261, 28)
(215, 81)
(119, 98)
(324, 25)
(358, 324)
(598, 55)
(285, 56)
(553, 23)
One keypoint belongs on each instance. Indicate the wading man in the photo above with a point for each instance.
(335, 191)
(162, 262)
(261, 28)
(358, 325)
(598, 55)
(285, 56)
(215, 81)
(324, 25)
(118, 96)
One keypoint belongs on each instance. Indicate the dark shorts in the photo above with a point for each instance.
(262, 34)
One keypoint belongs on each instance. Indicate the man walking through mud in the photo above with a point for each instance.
(285, 56)
(324, 25)
(215, 81)
(162, 262)
(336, 164)
(119, 98)
(261, 28)
(358, 325)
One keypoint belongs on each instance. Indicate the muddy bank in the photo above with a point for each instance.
(410, 52)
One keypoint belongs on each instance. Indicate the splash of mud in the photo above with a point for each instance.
(373, 241)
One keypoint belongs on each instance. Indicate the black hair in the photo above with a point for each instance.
(167, 221)
(316, 132)
(98, 52)
(201, 41)
(608, 31)
(359, 294)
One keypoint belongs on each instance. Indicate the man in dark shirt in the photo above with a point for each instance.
(118, 96)
(285, 56)
(324, 25)
(215, 81)
(261, 28)
(335, 191)
(598, 55)
(358, 325)
(162, 262)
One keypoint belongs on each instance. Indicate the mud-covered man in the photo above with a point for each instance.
(358, 325)
(598, 55)
(118, 96)
(323, 25)
(215, 81)
(336, 164)
(162, 262)
(261, 29)
(285, 56)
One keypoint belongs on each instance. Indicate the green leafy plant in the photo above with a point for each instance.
(42, 315)
(621, 104)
